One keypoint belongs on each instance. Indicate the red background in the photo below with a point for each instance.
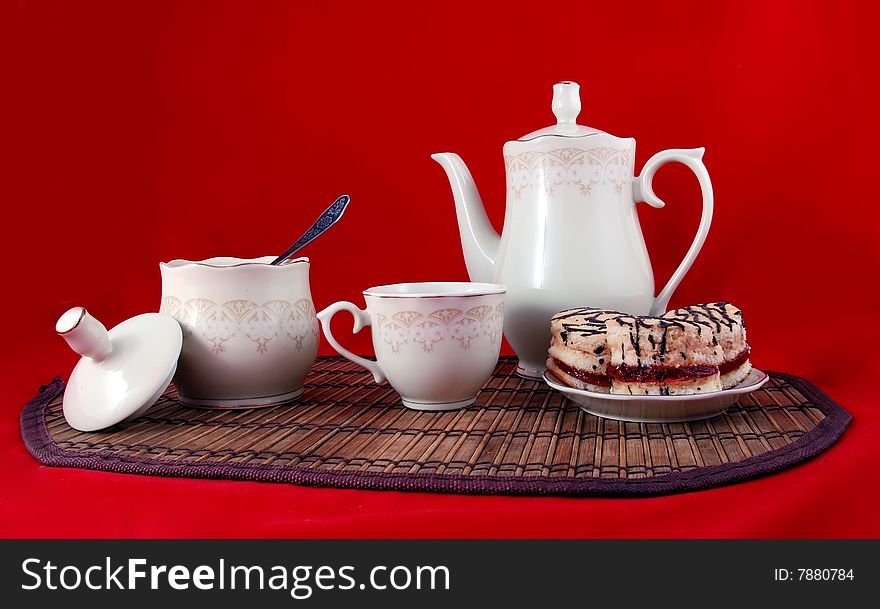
(136, 132)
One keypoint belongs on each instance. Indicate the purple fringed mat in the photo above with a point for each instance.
(519, 438)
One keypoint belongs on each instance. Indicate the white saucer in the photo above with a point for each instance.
(130, 379)
(658, 408)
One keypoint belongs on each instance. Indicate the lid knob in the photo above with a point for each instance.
(85, 334)
(566, 102)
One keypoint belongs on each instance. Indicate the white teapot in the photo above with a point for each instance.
(571, 233)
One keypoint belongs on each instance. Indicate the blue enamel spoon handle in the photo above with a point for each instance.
(330, 217)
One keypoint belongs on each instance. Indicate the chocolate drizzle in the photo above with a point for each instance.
(583, 321)
(587, 329)
(657, 335)
(716, 315)
(663, 343)
(634, 340)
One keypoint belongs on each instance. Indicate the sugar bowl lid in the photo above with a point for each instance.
(566, 106)
(121, 372)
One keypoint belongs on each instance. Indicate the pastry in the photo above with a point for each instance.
(578, 351)
(696, 349)
(659, 356)
(727, 322)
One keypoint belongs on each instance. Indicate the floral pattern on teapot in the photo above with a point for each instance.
(259, 323)
(428, 330)
(576, 167)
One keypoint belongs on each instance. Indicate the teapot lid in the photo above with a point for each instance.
(566, 106)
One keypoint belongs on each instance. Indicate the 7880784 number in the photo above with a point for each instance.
(820, 575)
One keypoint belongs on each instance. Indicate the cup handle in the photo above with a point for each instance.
(644, 191)
(361, 319)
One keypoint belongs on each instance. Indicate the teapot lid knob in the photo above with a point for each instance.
(566, 106)
(566, 102)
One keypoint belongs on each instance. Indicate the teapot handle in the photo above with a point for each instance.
(643, 190)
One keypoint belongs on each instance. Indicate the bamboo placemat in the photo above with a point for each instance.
(519, 438)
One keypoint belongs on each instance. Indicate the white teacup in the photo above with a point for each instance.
(436, 343)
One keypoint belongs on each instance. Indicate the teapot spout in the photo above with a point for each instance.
(479, 241)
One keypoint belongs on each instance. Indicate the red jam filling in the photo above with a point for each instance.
(652, 374)
(736, 362)
(600, 380)
(658, 374)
